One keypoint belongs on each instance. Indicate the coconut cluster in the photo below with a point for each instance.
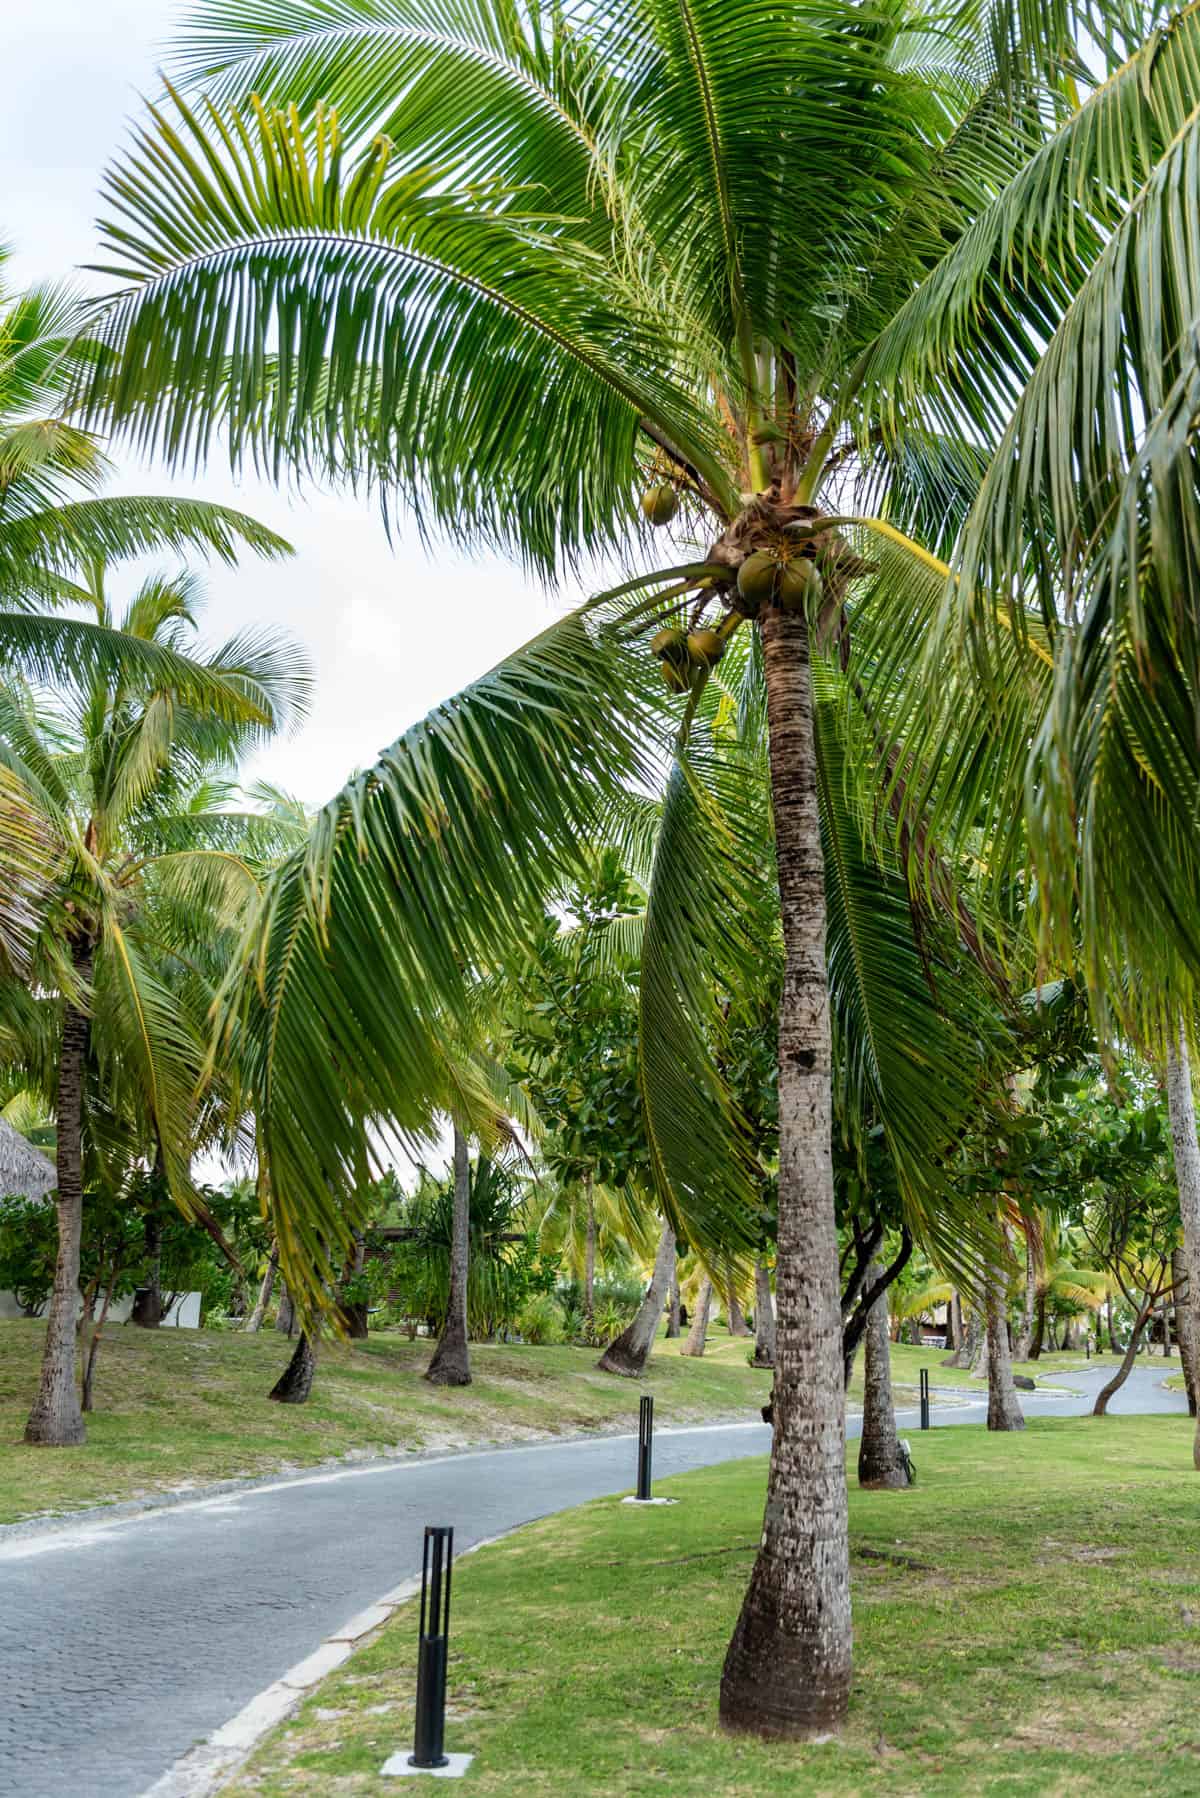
(682, 653)
(778, 576)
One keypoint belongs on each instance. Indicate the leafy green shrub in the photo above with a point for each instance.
(541, 1320)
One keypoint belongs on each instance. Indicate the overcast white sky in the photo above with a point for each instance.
(387, 639)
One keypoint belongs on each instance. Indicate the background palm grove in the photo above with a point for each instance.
(805, 924)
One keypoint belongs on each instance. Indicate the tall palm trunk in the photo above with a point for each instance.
(734, 1315)
(589, 1267)
(1004, 1409)
(698, 1334)
(764, 1317)
(881, 1462)
(451, 1364)
(285, 1317)
(56, 1420)
(630, 1351)
(1024, 1342)
(674, 1304)
(1185, 1326)
(254, 1322)
(787, 1669)
(1181, 1104)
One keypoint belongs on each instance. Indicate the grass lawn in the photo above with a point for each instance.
(190, 1406)
(1027, 1620)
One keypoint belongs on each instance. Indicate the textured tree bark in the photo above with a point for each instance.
(1023, 1345)
(1181, 1104)
(628, 1353)
(698, 1333)
(296, 1381)
(1039, 1333)
(147, 1301)
(254, 1322)
(56, 1420)
(1185, 1327)
(589, 1268)
(880, 1459)
(764, 1317)
(451, 1363)
(735, 1316)
(673, 1304)
(956, 1321)
(787, 1669)
(1004, 1409)
(285, 1317)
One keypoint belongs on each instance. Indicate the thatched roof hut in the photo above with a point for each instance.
(24, 1171)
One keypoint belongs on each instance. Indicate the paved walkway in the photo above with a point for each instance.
(123, 1641)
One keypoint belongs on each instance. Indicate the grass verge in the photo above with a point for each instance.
(1027, 1620)
(180, 1407)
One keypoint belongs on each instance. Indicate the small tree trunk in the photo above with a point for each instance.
(254, 1322)
(285, 1318)
(56, 1420)
(880, 1460)
(89, 1370)
(787, 1668)
(589, 1268)
(1004, 1410)
(295, 1382)
(764, 1317)
(956, 1321)
(355, 1311)
(1181, 1105)
(698, 1333)
(1185, 1327)
(1100, 1408)
(630, 1351)
(1039, 1331)
(914, 1331)
(147, 1300)
(1166, 1330)
(735, 1316)
(451, 1363)
(673, 1304)
(1023, 1346)
(1112, 1332)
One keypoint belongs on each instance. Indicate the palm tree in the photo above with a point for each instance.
(150, 874)
(513, 264)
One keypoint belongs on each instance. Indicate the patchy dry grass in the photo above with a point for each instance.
(1027, 1621)
(177, 1407)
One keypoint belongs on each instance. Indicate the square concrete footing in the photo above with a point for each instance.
(397, 1767)
(649, 1501)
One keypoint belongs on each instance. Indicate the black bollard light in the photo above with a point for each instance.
(924, 1398)
(645, 1446)
(429, 1733)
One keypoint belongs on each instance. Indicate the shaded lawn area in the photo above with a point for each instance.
(1027, 1620)
(191, 1406)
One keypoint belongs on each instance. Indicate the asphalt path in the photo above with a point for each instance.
(125, 1639)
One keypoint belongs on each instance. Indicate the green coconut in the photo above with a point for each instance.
(670, 645)
(756, 581)
(799, 584)
(660, 503)
(674, 679)
(705, 648)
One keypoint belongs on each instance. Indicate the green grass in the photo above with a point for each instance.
(190, 1406)
(1027, 1620)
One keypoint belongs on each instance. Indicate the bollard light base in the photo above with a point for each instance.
(397, 1767)
(649, 1501)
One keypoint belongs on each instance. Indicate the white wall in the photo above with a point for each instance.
(184, 1313)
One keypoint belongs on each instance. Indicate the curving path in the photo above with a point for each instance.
(126, 1639)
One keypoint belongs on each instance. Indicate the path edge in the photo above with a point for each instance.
(209, 1766)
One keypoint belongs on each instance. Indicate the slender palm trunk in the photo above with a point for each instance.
(673, 1306)
(764, 1317)
(56, 1420)
(589, 1268)
(1004, 1409)
(451, 1364)
(254, 1322)
(956, 1321)
(1181, 1104)
(1185, 1327)
(285, 1317)
(698, 1334)
(1112, 1332)
(296, 1381)
(880, 1459)
(1039, 1331)
(734, 1315)
(630, 1351)
(1024, 1343)
(147, 1303)
(354, 1311)
(787, 1669)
